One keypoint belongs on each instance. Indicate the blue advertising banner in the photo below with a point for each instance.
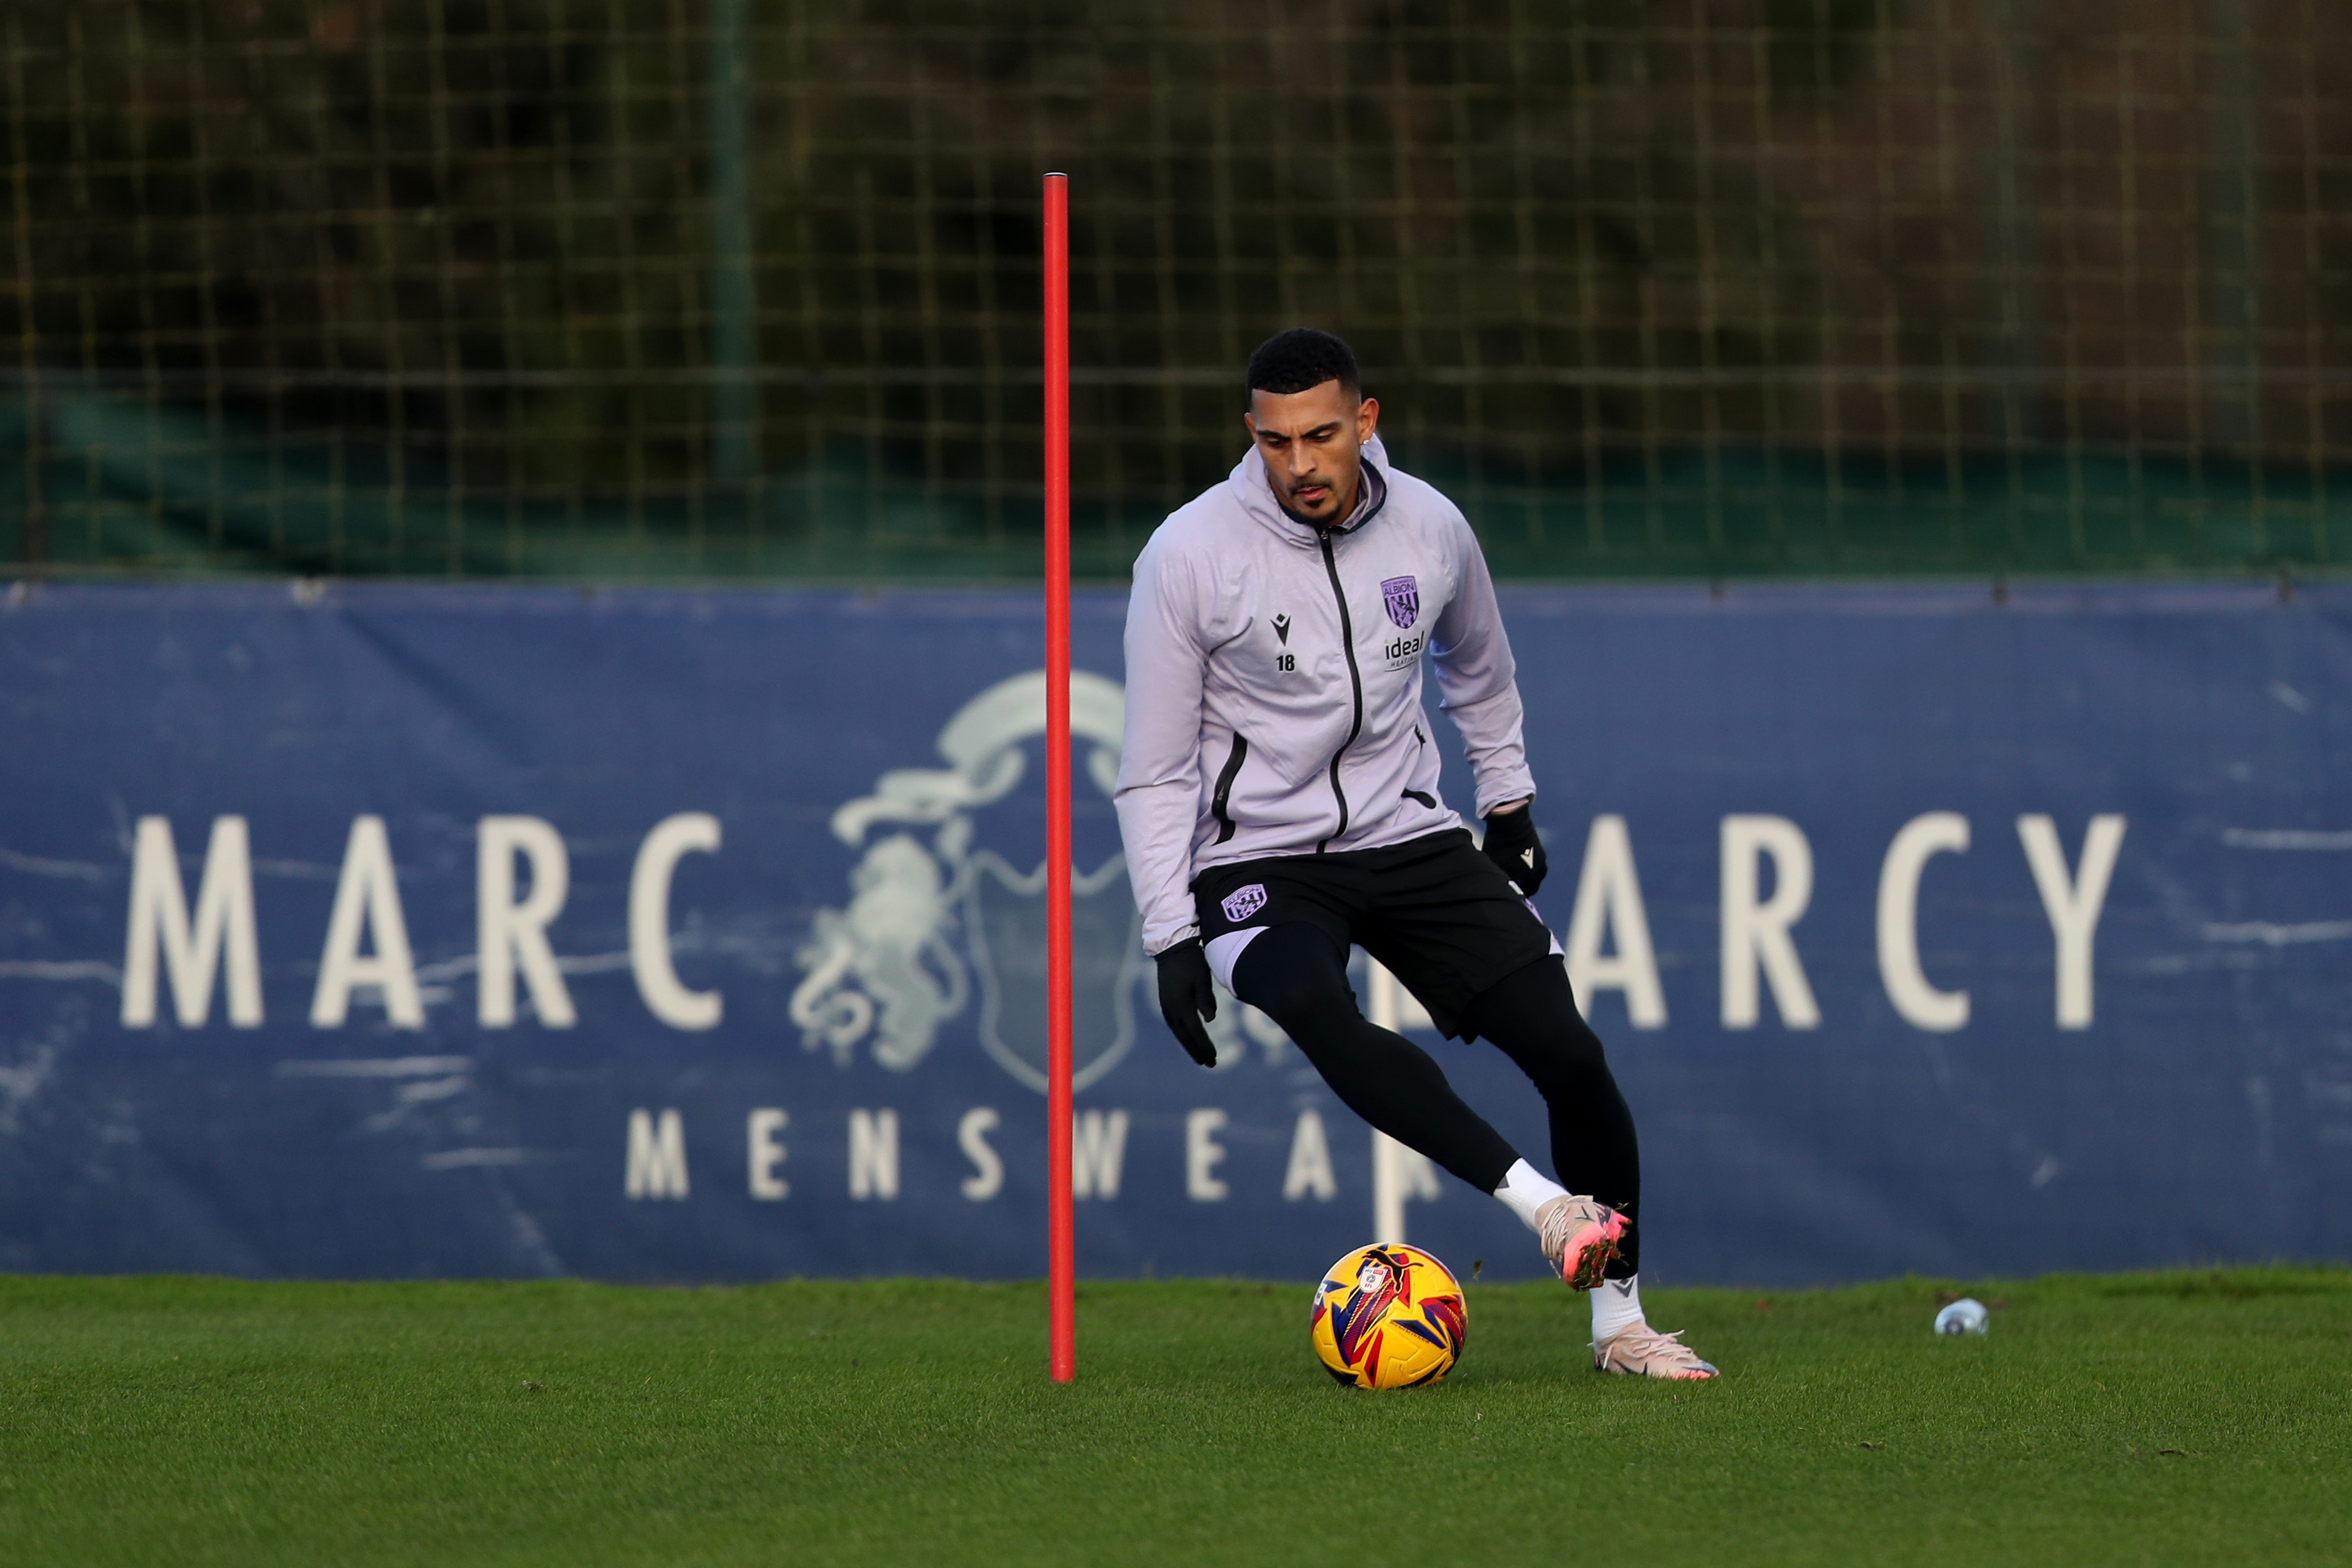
(674, 935)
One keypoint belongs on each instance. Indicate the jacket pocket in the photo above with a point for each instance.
(1418, 796)
(1222, 801)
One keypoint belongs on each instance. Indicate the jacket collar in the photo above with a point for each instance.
(1249, 482)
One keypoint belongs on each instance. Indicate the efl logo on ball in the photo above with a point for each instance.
(1243, 902)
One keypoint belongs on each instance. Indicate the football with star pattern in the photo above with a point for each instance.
(1388, 1317)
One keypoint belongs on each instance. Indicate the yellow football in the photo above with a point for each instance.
(1388, 1317)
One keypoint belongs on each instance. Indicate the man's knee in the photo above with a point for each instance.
(1531, 1014)
(1294, 975)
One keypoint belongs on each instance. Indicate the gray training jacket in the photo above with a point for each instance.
(1274, 683)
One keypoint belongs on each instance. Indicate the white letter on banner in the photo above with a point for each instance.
(649, 954)
(1609, 898)
(367, 899)
(1758, 934)
(1310, 1162)
(1921, 1005)
(767, 1153)
(1097, 1151)
(2073, 903)
(874, 1154)
(987, 1178)
(158, 918)
(507, 931)
(1201, 1154)
(656, 1156)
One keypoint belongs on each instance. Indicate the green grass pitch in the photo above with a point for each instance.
(2151, 1418)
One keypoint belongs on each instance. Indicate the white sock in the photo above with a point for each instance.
(1524, 1192)
(1616, 1305)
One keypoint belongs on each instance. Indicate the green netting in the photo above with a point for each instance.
(662, 288)
(155, 489)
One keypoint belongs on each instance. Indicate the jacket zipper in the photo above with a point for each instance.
(1224, 797)
(1355, 681)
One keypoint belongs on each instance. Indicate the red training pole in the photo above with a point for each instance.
(1061, 1248)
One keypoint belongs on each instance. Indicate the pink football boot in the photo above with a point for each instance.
(1580, 1237)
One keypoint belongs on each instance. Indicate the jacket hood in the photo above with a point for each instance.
(1256, 495)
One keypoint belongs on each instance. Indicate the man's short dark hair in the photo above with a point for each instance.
(1303, 358)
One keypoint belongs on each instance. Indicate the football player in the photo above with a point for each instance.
(1278, 797)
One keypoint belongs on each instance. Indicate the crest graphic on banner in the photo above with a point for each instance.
(925, 919)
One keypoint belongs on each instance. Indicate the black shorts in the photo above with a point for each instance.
(1439, 915)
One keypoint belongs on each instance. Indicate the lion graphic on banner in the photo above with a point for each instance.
(933, 920)
(930, 917)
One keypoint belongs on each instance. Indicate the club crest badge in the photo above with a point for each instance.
(1243, 902)
(1403, 596)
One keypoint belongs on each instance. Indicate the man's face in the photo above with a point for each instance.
(1312, 443)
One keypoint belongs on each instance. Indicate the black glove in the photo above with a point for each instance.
(1187, 995)
(1512, 844)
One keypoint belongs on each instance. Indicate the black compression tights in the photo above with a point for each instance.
(1299, 976)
